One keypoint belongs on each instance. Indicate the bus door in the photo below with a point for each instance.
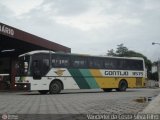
(40, 67)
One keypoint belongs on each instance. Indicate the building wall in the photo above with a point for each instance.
(154, 68)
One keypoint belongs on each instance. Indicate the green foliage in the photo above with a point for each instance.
(111, 53)
(121, 50)
(154, 76)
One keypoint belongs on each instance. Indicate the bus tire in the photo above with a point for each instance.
(122, 85)
(43, 91)
(55, 87)
(107, 89)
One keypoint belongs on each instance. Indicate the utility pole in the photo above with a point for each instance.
(158, 70)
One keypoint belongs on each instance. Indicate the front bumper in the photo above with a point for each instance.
(23, 86)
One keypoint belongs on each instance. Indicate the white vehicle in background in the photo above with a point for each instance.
(5, 81)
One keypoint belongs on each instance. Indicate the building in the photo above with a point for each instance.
(154, 67)
(14, 42)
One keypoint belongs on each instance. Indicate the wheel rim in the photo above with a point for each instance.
(54, 88)
(123, 86)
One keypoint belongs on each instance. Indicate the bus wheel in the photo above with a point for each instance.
(43, 91)
(107, 89)
(122, 85)
(55, 87)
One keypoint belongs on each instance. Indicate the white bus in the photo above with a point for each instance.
(46, 71)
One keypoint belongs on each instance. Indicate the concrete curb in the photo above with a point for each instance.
(153, 107)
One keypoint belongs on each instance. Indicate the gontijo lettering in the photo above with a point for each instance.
(116, 73)
(123, 73)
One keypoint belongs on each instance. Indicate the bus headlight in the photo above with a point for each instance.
(15, 85)
(25, 86)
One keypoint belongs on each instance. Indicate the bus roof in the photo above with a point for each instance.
(85, 55)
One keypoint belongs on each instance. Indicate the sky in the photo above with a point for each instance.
(89, 26)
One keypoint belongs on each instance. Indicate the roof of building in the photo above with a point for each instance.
(15, 42)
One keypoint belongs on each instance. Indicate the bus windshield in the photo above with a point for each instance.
(23, 65)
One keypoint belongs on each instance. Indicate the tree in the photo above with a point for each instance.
(111, 53)
(120, 52)
(123, 51)
(154, 76)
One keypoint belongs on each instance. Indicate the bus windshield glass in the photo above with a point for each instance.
(23, 65)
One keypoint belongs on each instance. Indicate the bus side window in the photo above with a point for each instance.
(79, 62)
(36, 68)
(109, 64)
(132, 64)
(121, 64)
(60, 61)
(98, 63)
(126, 64)
(53, 62)
(95, 63)
(138, 65)
(91, 64)
(45, 66)
(35, 64)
